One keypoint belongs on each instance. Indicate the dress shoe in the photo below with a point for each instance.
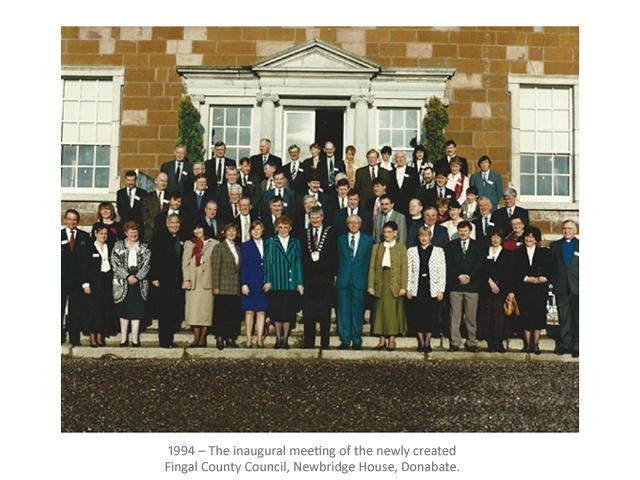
(471, 348)
(134, 344)
(219, 343)
(500, 347)
(231, 343)
(536, 350)
(575, 354)
(125, 343)
(428, 349)
(526, 349)
(559, 351)
(343, 346)
(327, 347)
(420, 349)
(357, 347)
(285, 344)
(454, 348)
(380, 347)
(390, 348)
(278, 343)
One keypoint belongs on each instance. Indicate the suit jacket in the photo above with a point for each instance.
(323, 201)
(269, 229)
(226, 214)
(92, 266)
(402, 195)
(299, 185)
(200, 276)
(502, 220)
(72, 262)
(465, 211)
(120, 262)
(222, 195)
(257, 166)
(170, 169)
(395, 217)
(364, 184)
(125, 211)
(483, 237)
(283, 270)
(288, 196)
(412, 231)
(437, 271)
(542, 266)
(251, 189)
(399, 269)
(439, 237)
(500, 271)
(319, 274)
(323, 170)
(211, 171)
(353, 271)
(492, 188)
(469, 264)
(252, 266)
(226, 273)
(430, 196)
(443, 165)
(166, 261)
(566, 280)
(190, 205)
(150, 210)
(212, 232)
(186, 227)
(237, 223)
(340, 221)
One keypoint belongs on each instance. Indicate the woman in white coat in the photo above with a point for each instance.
(425, 288)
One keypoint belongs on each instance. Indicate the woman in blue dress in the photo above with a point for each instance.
(253, 300)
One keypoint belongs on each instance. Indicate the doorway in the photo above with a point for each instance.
(303, 126)
(330, 127)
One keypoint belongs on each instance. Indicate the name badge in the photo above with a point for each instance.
(301, 169)
(490, 224)
(64, 242)
(315, 256)
(423, 275)
(137, 197)
(319, 204)
(577, 254)
(336, 170)
(96, 255)
(320, 190)
(285, 204)
(249, 182)
(406, 175)
(165, 201)
(489, 182)
(184, 173)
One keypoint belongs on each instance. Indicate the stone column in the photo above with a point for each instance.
(361, 126)
(267, 127)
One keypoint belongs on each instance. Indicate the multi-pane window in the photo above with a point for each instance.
(231, 125)
(546, 142)
(397, 127)
(87, 111)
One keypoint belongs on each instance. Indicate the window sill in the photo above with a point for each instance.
(533, 205)
(88, 196)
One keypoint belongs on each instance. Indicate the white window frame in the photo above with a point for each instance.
(209, 133)
(515, 83)
(116, 75)
(408, 149)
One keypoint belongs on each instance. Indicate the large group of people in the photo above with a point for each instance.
(425, 247)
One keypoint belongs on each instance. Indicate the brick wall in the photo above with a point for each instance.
(479, 109)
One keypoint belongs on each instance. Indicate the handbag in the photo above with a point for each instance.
(511, 307)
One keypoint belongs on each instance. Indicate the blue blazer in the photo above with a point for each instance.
(353, 272)
(289, 201)
(492, 189)
(252, 266)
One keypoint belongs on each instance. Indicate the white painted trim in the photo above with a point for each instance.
(552, 205)
(116, 75)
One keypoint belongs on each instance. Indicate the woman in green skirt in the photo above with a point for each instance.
(388, 283)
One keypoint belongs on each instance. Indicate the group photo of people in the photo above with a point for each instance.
(428, 249)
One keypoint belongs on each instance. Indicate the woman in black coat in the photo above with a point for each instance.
(107, 217)
(99, 320)
(495, 287)
(532, 272)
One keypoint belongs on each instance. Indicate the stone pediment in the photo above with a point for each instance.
(315, 56)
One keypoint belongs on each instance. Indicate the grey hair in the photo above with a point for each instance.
(211, 202)
(235, 187)
(316, 211)
(353, 216)
(306, 197)
(510, 191)
(266, 140)
(172, 217)
(485, 199)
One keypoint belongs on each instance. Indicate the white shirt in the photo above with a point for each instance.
(375, 170)
(161, 194)
(232, 247)
(530, 252)
(494, 252)
(354, 211)
(342, 201)
(400, 175)
(259, 243)
(104, 254)
(245, 226)
(452, 180)
(313, 232)
(284, 241)
(471, 209)
(452, 229)
(356, 238)
(510, 211)
(171, 211)
(131, 194)
(464, 245)
(69, 232)
(386, 258)
(386, 165)
(132, 258)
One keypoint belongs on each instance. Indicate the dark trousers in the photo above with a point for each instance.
(170, 313)
(568, 316)
(316, 308)
(74, 296)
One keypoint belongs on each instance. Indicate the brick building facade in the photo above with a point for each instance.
(512, 94)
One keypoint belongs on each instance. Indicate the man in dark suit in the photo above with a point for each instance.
(404, 183)
(464, 264)
(194, 202)
(279, 190)
(354, 253)
(175, 208)
(243, 221)
(440, 190)
(190, 183)
(153, 204)
(129, 200)
(260, 160)
(231, 208)
(222, 193)
(295, 173)
(250, 184)
(502, 217)
(177, 170)
(365, 176)
(275, 212)
(414, 222)
(301, 220)
(319, 266)
(439, 235)
(212, 227)
(215, 167)
(74, 245)
(443, 164)
(483, 222)
(313, 189)
(566, 286)
(337, 198)
(352, 208)
(330, 166)
(165, 274)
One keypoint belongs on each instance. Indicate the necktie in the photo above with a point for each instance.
(330, 172)
(264, 160)
(278, 192)
(244, 180)
(509, 212)
(484, 178)
(484, 225)
(131, 198)
(178, 172)
(220, 170)
(72, 241)
(294, 170)
(245, 236)
(440, 194)
(352, 246)
(160, 200)
(373, 174)
(199, 200)
(270, 184)
(342, 203)
(464, 247)
(315, 238)
(235, 210)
